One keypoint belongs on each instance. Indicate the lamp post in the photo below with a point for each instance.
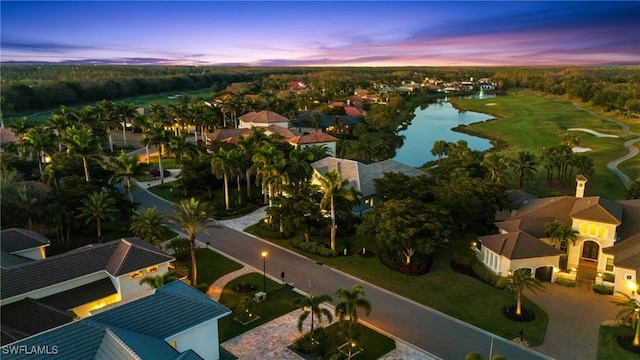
(264, 271)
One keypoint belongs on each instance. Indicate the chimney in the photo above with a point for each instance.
(581, 180)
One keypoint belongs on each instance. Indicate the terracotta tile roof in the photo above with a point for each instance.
(518, 245)
(228, 135)
(275, 129)
(7, 136)
(263, 117)
(116, 257)
(353, 111)
(597, 208)
(312, 138)
(558, 207)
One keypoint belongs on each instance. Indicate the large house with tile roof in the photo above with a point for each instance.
(607, 241)
(175, 321)
(50, 291)
(361, 176)
(262, 118)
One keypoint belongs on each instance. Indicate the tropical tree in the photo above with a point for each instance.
(222, 166)
(191, 216)
(106, 113)
(158, 136)
(126, 112)
(38, 142)
(159, 280)
(352, 301)
(633, 191)
(439, 149)
(179, 113)
(57, 123)
(311, 305)
(148, 224)
(80, 142)
(560, 233)
(20, 126)
(524, 166)
(631, 311)
(97, 207)
(263, 159)
(52, 172)
(497, 164)
(333, 186)
(124, 168)
(180, 146)
(518, 281)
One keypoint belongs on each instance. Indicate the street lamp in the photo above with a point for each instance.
(264, 271)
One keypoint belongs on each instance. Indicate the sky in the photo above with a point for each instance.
(322, 33)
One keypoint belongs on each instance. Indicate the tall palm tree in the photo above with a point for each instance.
(57, 123)
(517, 281)
(81, 143)
(20, 126)
(126, 112)
(124, 168)
(352, 300)
(311, 305)
(524, 166)
(250, 145)
(560, 233)
(222, 165)
(52, 172)
(263, 159)
(333, 186)
(191, 216)
(106, 113)
(148, 224)
(159, 280)
(180, 147)
(238, 159)
(439, 149)
(631, 309)
(180, 115)
(38, 142)
(159, 137)
(497, 164)
(98, 206)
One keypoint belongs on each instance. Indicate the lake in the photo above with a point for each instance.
(435, 123)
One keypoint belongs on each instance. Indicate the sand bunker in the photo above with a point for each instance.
(490, 104)
(593, 132)
(578, 149)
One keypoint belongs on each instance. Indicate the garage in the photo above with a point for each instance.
(544, 273)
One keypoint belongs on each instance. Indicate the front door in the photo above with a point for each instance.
(590, 250)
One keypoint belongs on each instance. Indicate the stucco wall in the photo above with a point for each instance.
(203, 339)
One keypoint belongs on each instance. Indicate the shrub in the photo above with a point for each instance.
(609, 277)
(154, 173)
(484, 273)
(320, 347)
(314, 248)
(180, 247)
(563, 262)
(565, 282)
(602, 289)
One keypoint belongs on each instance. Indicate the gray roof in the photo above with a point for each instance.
(117, 258)
(135, 330)
(28, 317)
(14, 239)
(67, 300)
(361, 175)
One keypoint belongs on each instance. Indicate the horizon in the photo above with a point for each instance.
(321, 34)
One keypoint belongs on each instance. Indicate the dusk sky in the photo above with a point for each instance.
(326, 33)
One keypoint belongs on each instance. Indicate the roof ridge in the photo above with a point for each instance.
(122, 260)
(115, 337)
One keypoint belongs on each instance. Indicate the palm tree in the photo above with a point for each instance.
(148, 224)
(58, 123)
(124, 168)
(631, 310)
(159, 137)
(38, 142)
(439, 149)
(159, 280)
(263, 159)
(333, 186)
(316, 120)
(179, 114)
(107, 116)
(126, 112)
(352, 300)
(179, 146)
(52, 172)
(497, 164)
(191, 216)
(560, 233)
(20, 126)
(524, 166)
(98, 206)
(250, 145)
(222, 166)
(80, 142)
(311, 306)
(518, 281)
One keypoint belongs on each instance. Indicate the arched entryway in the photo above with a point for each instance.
(588, 265)
(544, 273)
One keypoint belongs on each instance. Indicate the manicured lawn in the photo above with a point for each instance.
(443, 289)
(528, 121)
(211, 265)
(278, 303)
(608, 348)
(373, 344)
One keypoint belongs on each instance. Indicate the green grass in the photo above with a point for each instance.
(278, 303)
(373, 344)
(608, 348)
(442, 288)
(528, 121)
(212, 265)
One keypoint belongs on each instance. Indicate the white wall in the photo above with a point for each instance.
(131, 288)
(626, 281)
(203, 339)
(249, 125)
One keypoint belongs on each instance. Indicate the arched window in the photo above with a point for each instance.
(584, 228)
(593, 229)
(602, 231)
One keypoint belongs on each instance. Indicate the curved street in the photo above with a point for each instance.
(425, 328)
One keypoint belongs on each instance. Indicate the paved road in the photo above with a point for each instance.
(425, 328)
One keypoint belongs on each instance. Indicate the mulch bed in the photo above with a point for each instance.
(626, 342)
(525, 316)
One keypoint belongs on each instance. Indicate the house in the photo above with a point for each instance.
(262, 118)
(38, 292)
(607, 241)
(315, 139)
(361, 176)
(176, 321)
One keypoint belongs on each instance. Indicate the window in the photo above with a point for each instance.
(563, 246)
(584, 228)
(609, 266)
(602, 231)
(152, 269)
(134, 275)
(593, 229)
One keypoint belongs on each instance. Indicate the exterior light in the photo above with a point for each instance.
(264, 271)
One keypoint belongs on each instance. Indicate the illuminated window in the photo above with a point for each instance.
(609, 266)
(602, 231)
(593, 229)
(136, 274)
(152, 269)
(584, 228)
